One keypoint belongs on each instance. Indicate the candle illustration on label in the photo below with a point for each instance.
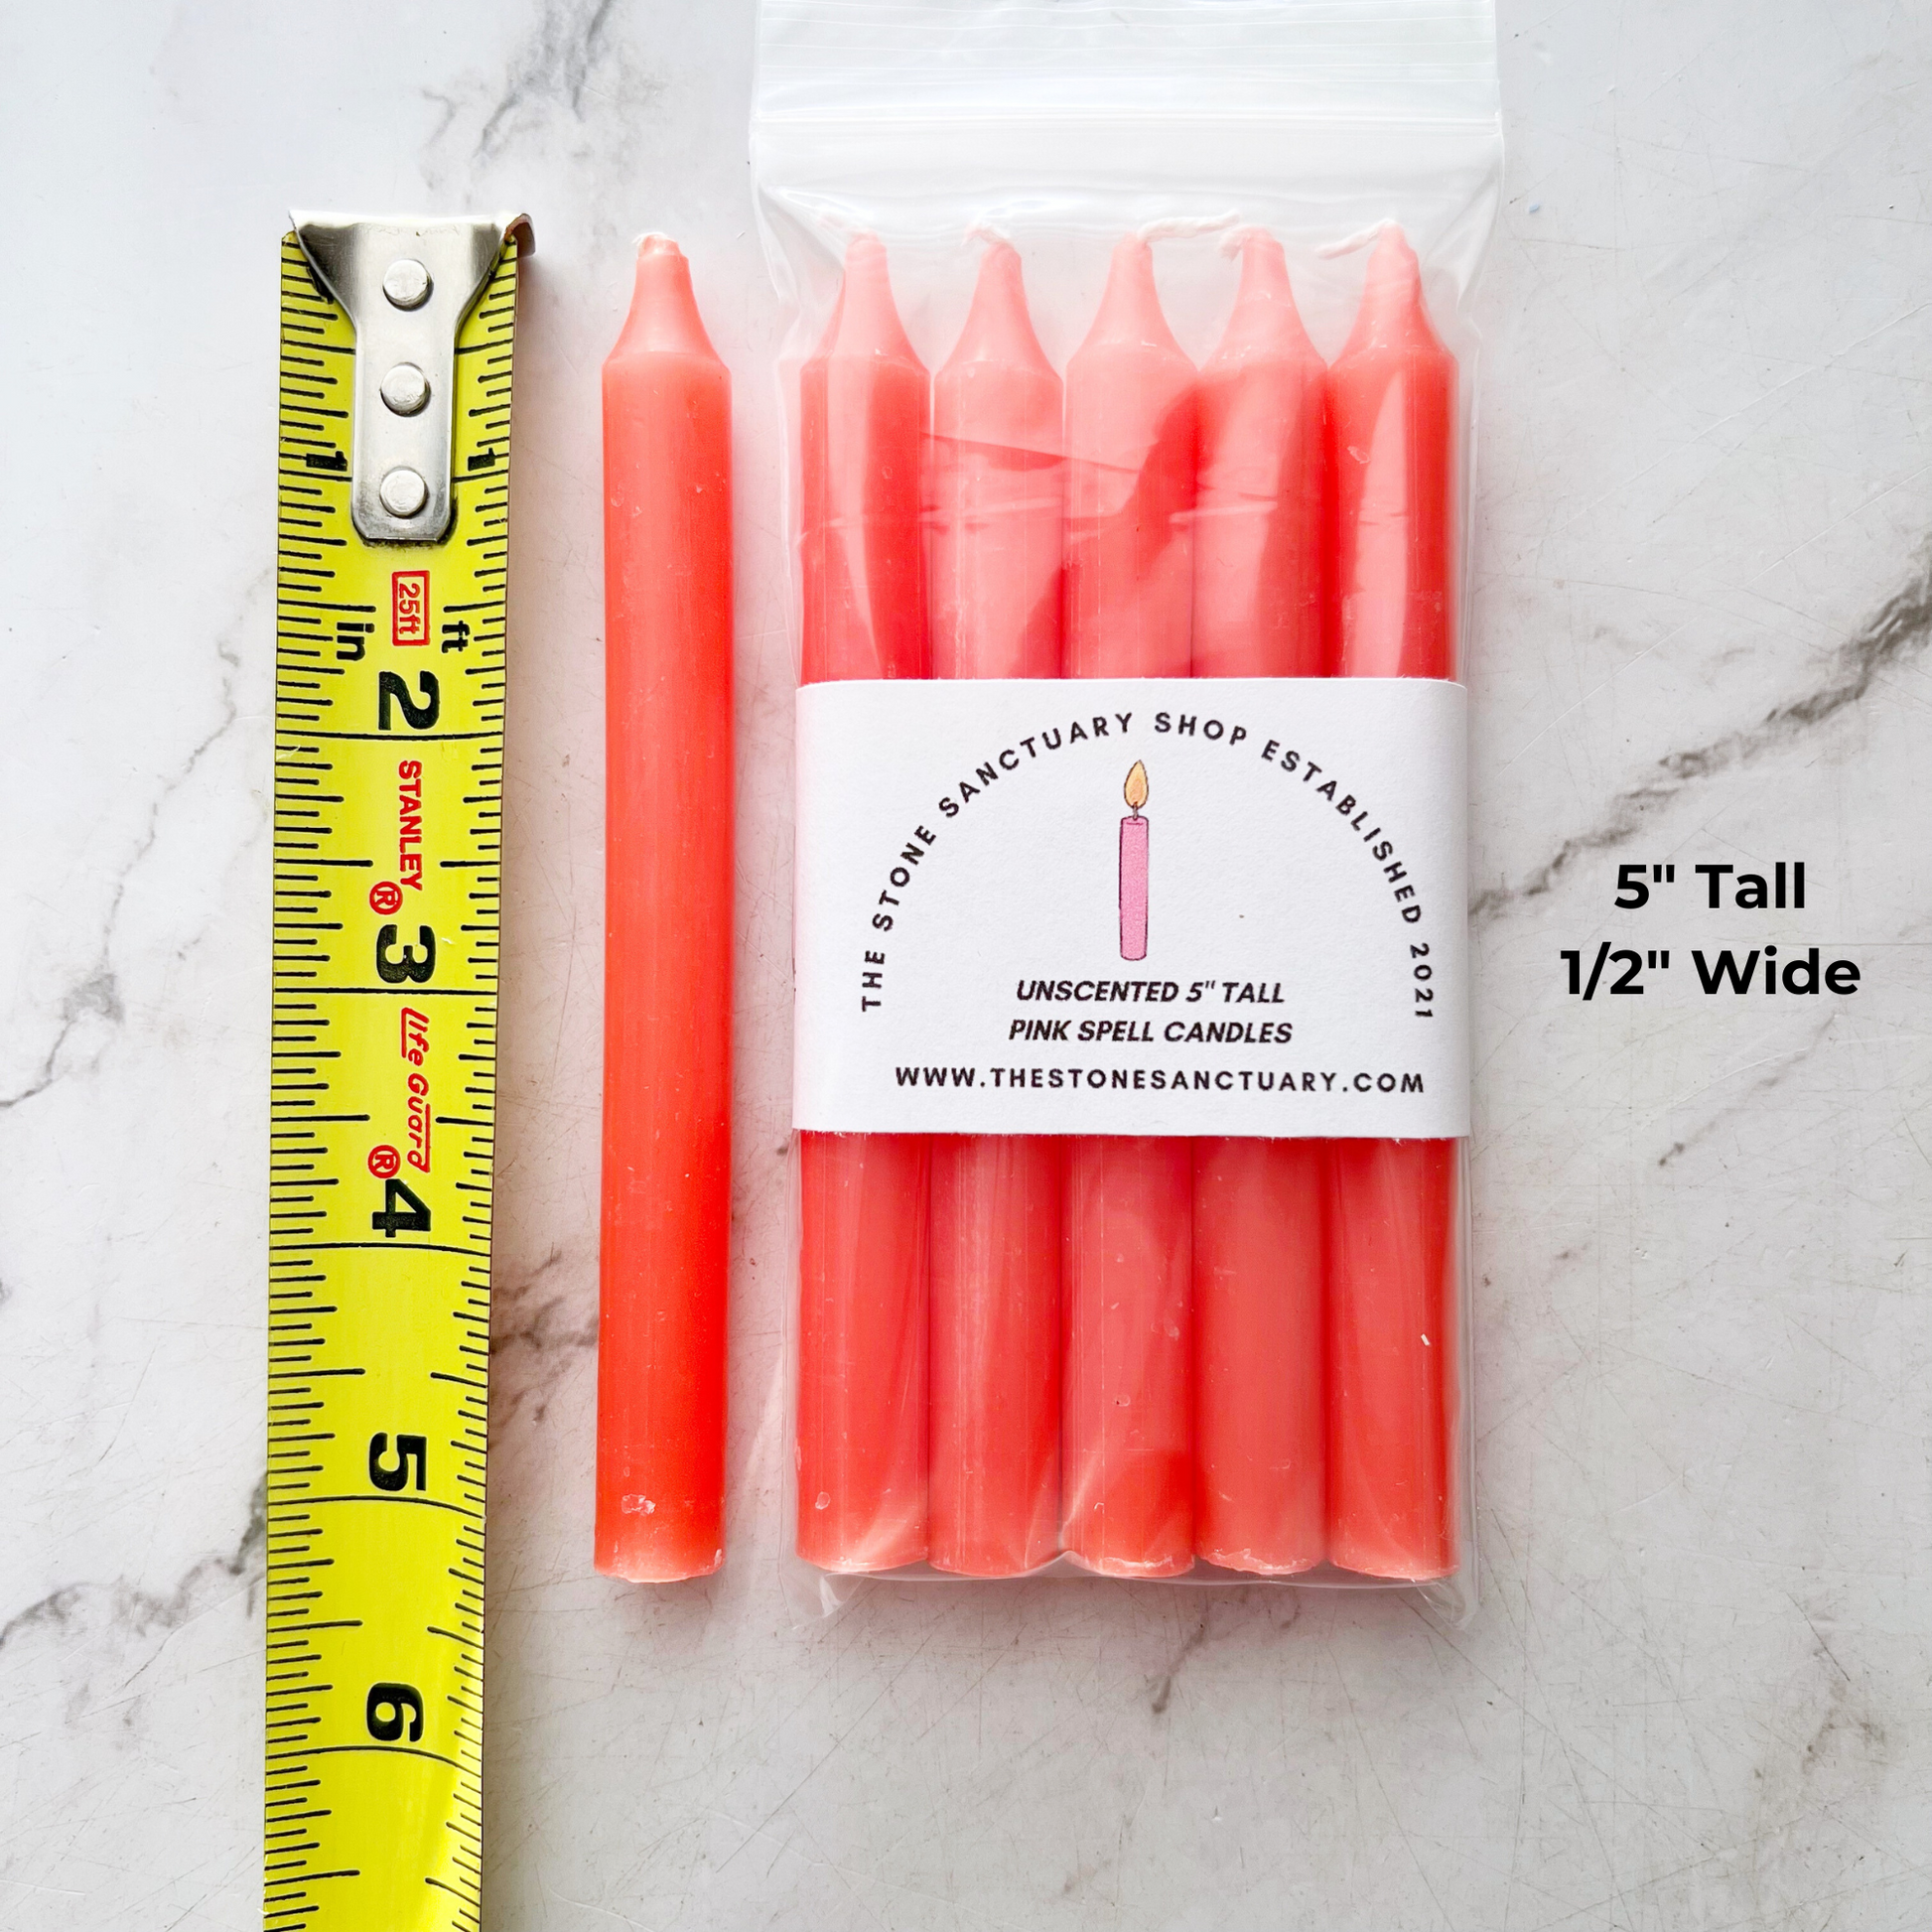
(1132, 867)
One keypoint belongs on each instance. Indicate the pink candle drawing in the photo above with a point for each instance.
(1132, 867)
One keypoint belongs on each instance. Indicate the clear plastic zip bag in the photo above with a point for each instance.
(1130, 344)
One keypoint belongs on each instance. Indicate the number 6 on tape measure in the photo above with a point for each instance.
(393, 505)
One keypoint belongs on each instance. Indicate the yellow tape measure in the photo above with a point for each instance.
(393, 501)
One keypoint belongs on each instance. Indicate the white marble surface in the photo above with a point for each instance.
(1698, 1688)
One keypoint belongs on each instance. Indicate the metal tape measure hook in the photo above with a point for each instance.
(406, 285)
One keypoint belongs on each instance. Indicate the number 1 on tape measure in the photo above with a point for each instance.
(393, 507)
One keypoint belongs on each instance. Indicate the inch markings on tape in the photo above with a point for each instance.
(394, 519)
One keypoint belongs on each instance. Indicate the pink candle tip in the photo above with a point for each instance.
(864, 320)
(1130, 306)
(998, 327)
(664, 317)
(1265, 321)
(1393, 313)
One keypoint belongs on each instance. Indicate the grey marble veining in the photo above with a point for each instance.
(1698, 1689)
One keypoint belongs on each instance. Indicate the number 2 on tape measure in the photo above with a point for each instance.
(389, 688)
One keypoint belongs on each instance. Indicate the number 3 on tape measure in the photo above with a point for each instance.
(393, 504)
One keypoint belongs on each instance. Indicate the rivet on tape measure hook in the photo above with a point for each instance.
(406, 285)
(392, 551)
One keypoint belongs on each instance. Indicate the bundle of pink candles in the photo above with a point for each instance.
(1136, 1352)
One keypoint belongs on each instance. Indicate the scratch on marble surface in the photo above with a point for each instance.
(1833, 1744)
(1783, 1065)
(139, 1611)
(1391, 1807)
(1163, 1691)
(542, 1333)
(561, 64)
(1230, 1613)
(1899, 629)
(55, 1607)
(96, 993)
(540, 1329)
(556, 65)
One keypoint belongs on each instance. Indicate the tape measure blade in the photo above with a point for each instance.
(387, 844)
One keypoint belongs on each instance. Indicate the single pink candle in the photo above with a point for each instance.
(997, 489)
(1393, 1375)
(1132, 867)
(1127, 1415)
(1260, 610)
(667, 1084)
(860, 1453)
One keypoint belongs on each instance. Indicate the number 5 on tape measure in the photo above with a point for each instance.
(393, 504)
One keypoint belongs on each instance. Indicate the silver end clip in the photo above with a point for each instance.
(406, 285)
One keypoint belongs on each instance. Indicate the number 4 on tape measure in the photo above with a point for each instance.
(393, 502)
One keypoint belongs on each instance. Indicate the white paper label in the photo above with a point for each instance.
(1133, 905)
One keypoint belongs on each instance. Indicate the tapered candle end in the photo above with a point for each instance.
(1393, 314)
(997, 388)
(664, 317)
(998, 327)
(1130, 307)
(1265, 321)
(864, 320)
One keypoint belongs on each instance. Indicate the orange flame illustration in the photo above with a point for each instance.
(1135, 789)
